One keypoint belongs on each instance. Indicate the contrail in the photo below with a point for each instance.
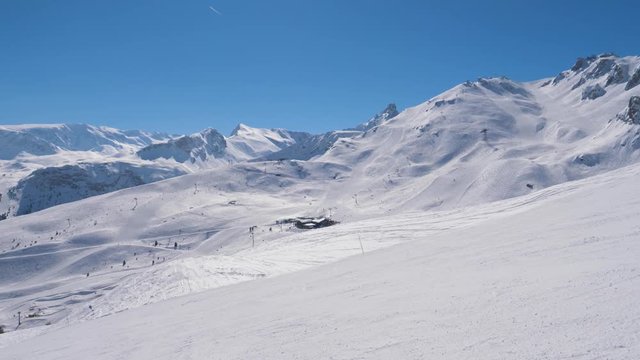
(214, 10)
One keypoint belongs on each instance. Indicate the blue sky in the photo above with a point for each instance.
(177, 66)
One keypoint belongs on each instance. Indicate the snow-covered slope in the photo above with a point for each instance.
(50, 152)
(428, 172)
(313, 146)
(388, 113)
(247, 143)
(496, 138)
(549, 275)
(197, 147)
(39, 151)
(316, 145)
(52, 186)
(49, 139)
(62, 163)
(209, 148)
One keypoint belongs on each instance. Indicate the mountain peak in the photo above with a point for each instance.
(209, 131)
(199, 146)
(583, 62)
(388, 113)
(609, 67)
(240, 127)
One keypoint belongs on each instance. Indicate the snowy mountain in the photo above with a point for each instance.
(52, 186)
(549, 275)
(316, 145)
(49, 139)
(312, 146)
(495, 138)
(245, 143)
(197, 147)
(522, 192)
(41, 153)
(388, 113)
(55, 164)
(31, 153)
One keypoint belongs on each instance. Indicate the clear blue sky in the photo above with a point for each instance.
(178, 66)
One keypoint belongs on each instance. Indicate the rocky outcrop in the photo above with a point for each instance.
(593, 92)
(200, 146)
(313, 146)
(52, 186)
(634, 81)
(388, 113)
(605, 65)
(563, 75)
(582, 63)
(578, 84)
(631, 113)
(589, 160)
(616, 76)
(633, 110)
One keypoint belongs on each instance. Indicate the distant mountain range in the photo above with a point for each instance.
(56, 164)
(486, 136)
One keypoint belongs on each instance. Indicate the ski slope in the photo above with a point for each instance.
(37, 161)
(59, 260)
(553, 274)
(494, 199)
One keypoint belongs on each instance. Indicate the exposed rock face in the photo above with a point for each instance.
(578, 84)
(559, 77)
(633, 111)
(388, 113)
(52, 186)
(631, 114)
(213, 143)
(603, 67)
(313, 146)
(634, 81)
(194, 147)
(589, 160)
(582, 63)
(616, 75)
(593, 92)
(596, 67)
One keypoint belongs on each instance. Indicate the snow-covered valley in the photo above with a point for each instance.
(496, 220)
(549, 275)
